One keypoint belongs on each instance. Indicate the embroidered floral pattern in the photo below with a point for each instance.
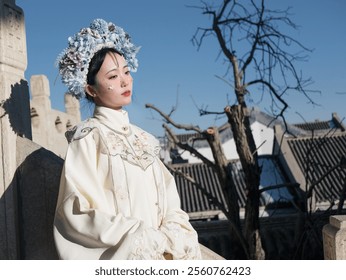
(192, 253)
(134, 148)
(174, 229)
(138, 147)
(116, 144)
(178, 234)
(144, 251)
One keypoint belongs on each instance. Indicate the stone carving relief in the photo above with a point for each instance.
(13, 35)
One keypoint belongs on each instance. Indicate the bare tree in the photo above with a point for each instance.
(261, 60)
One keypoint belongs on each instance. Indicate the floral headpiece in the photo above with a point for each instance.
(73, 62)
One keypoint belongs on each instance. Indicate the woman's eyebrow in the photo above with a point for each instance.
(113, 69)
(116, 68)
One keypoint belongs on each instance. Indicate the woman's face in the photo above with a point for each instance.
(113, 87)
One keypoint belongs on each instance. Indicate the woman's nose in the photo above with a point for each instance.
(123, 82)
(126, 80)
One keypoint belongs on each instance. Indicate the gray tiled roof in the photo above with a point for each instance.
(192, 199)
(319, 159)
(334, 124)
(317, 125)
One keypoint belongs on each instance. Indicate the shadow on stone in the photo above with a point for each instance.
(17, 107)
(36, 186)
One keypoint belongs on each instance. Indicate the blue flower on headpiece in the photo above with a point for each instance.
(74, 61)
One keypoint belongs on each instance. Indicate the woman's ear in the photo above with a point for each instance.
(90, 91)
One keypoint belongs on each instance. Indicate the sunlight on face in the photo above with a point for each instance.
(113, 87)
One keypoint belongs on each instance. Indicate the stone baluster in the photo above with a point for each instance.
(334, 238)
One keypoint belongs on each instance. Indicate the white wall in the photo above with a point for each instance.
(263, 135)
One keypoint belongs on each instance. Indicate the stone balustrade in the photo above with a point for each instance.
(334, 238)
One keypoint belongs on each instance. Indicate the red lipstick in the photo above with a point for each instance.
(126, 93)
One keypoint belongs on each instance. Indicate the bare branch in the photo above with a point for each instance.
(187, 147)
(342, 199)
(203, 112)
(273, 91)
(168, 119)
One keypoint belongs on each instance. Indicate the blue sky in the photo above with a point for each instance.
(172, 71)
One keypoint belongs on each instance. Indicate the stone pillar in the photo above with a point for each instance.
(72, 107)
(40, 92)
(334, 238)
(14, 117)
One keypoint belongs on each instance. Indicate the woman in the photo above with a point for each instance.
(116, 200)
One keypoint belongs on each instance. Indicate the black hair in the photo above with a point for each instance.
(95, 65)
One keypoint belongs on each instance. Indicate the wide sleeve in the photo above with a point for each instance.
(87, 225)
(182, 238)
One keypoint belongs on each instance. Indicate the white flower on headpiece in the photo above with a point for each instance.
(74, 61)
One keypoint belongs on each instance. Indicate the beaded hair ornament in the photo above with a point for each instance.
(73, 62)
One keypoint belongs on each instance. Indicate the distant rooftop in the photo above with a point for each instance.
(321, 161)
(333, 124)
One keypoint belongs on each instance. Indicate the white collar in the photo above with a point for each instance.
(117, 120)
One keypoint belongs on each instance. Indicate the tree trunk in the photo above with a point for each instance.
(221, 163)
(223, 170)
(240, 124)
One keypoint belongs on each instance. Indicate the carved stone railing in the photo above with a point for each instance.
(334, 238)
(208, 254)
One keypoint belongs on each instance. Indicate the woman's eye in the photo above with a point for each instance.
(113, 77)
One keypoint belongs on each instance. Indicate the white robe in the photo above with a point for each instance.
(117, 200)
